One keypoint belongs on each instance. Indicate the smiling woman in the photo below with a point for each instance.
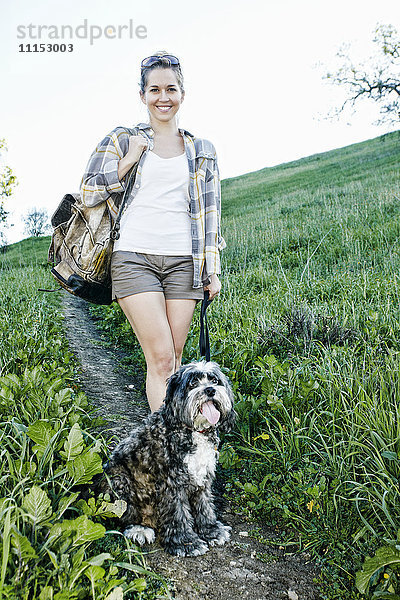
(167, 253)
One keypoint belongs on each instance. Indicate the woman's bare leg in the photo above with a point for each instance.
(161, 327)
(179, 315)
(146, 312)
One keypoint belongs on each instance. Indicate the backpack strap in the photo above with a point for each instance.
(114, 234)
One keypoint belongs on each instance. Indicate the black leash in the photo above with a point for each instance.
(204, 341)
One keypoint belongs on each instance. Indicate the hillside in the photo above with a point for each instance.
(26, 252)
(353, 163)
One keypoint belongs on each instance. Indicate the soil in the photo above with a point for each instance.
(252, 565)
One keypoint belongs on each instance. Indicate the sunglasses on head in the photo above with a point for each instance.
(152, 60)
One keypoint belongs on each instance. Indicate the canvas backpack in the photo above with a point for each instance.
(82, 244)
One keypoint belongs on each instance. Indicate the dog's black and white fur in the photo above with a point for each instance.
(165, 468)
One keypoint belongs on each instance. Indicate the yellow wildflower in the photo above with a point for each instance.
(313, 504)
(263, 436)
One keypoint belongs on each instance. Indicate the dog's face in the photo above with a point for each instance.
(200, 396)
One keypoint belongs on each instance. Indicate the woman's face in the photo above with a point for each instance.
(162, 95)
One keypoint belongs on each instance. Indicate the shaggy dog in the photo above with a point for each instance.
(165, 468)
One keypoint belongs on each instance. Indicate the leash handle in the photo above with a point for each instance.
(204, 342)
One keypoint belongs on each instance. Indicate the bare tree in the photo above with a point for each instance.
(377, 78)
(36, 222)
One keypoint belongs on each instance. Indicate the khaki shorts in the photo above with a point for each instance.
(134, 273)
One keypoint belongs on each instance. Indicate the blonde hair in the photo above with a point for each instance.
(162, 63)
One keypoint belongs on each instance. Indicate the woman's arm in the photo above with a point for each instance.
(213, 226)
(217, 187)
(214, 242)
(108, 164)
(100, 178)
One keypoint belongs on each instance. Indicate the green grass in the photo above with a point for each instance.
(29, 252)
(308, 329)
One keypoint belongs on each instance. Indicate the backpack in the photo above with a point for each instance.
(82, 244)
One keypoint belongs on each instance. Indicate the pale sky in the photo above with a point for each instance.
(252, 81)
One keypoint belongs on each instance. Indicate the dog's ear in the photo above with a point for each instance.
(169, 406)
(173, 383)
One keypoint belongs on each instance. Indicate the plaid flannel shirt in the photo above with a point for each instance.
(100, 183)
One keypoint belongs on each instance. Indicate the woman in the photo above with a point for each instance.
(168, 249)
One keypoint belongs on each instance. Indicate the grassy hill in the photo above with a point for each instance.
(346, 200)
(30, 251)
(379, 156)
(308, 329)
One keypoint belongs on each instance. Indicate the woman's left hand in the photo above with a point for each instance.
(214, 287)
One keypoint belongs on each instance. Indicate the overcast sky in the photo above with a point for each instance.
(252, 75)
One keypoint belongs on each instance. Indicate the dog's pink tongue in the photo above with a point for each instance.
(209, 411)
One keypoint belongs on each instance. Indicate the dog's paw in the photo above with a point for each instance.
(220, 535)
(140, 535)
(187, 548)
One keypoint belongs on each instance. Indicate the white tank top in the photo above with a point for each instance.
(158, 219)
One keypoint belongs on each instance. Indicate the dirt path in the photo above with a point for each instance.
(243, 569)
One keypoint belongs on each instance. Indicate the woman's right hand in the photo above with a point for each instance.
(137, 144)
